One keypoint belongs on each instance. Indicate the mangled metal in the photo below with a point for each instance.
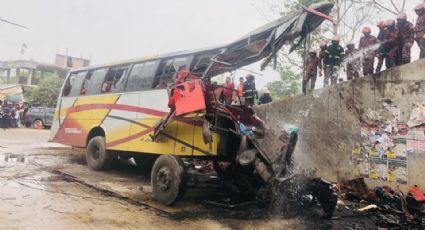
(252, 162)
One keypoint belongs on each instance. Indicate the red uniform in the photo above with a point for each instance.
(406, 33)
(310, 74)
(420, 33)
(353, 65)
(393, 42)
(369, 58)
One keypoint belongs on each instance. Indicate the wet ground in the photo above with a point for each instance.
(47, 186)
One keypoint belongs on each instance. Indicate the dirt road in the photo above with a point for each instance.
(35, 194)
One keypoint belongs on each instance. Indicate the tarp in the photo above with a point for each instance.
(11, 93)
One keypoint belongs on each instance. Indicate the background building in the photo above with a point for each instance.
(31, 72)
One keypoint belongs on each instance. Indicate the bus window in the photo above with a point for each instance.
(115, 79)
(142, 76)
(96, 81)
(86, 83)
(76, 83)
(168, 70)
(68, 85)
(200, 64)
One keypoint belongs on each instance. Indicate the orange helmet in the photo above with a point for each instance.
(420, 6)
(381, 24)
(336, 38)
(366, 29)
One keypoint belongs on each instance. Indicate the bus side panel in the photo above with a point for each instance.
(144, 143)
(75, 122)
(184, 137)
(64, 103)
(153, 106)
(199, 142)
(117, 123)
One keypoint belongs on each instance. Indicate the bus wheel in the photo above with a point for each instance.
(97, 157)
(168, 179)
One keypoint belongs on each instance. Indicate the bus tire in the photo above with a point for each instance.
(168, 179)
(97, 157)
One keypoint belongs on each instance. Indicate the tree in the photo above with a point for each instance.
(392, 6)
(350, 16)
(47, 92)
(289, 85)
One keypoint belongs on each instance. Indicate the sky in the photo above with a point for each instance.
(113, 30)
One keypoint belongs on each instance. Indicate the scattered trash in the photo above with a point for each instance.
(417, 117)
(391, 208)
(367, 208)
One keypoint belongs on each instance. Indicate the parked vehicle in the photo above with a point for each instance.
(39, 116)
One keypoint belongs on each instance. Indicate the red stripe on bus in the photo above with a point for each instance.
(129, 138)
(80, 108)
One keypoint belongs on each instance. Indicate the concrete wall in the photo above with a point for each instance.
(329, 120)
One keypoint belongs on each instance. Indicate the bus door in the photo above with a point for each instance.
(66, 127)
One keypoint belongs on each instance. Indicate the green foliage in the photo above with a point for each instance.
(28, 92)
(46, 93)
(289, 85)
(276, 89)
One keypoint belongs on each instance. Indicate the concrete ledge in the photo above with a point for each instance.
(329, 119)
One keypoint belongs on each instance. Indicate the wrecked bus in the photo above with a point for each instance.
(162, 112)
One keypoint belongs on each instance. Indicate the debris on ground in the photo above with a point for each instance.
(391, 208)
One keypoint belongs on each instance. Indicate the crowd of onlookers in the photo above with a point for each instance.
(11, 114)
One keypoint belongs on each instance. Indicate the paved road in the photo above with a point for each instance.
(35, 195)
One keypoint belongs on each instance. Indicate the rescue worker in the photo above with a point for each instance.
(265, 98)
(383, 49)
(333, 58)
(406, 33)
(366, 43)
(240, 87)
(228, 88)
(420, 28)
(393, 42)
(323, 45)
(310, 73)
(353, 63)
(249, 90)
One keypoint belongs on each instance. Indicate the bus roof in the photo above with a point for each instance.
(265, 41)
(153, 57)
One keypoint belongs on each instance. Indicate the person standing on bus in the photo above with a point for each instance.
(249, 90)
(228, 91)
(240, 87)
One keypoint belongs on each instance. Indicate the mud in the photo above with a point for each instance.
(45, 185)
